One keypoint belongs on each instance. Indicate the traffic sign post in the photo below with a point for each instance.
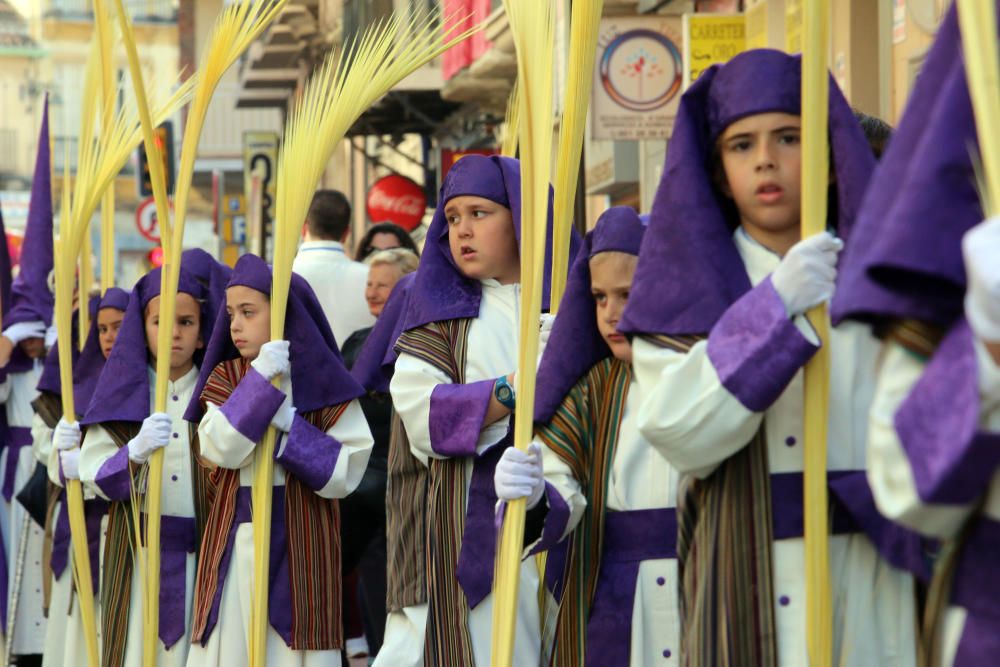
(146, 222)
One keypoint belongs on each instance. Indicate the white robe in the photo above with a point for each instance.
(491, 352)
(176, 498)
(65, 640)
(641, 478)
(697, 424)
(24, 586)
(403, 640)
(226, 447)
(891, 475)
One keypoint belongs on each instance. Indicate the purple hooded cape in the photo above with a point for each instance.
(575, 343)
(904, 259)
(122, 392)
(89, 362)
(5, 286)
(689, 270)
(31, 298)
(319, 378)
(213, 276)
(49, 381)
(440, 291)
(373, 367)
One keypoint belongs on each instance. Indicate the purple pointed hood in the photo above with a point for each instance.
(440, 291)
(88, 362)
(213, 276)
(905, 257)
(575, 344)
(373, 367)
(123, 392)
(31, 295)
(689, 270)
(5, 280)
(5, 269)
(319, 378)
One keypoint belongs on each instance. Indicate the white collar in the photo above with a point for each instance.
(336, 246)
(184, 383)
(758, 260)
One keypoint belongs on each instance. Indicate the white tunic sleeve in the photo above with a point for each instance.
(412, 383)
(559, 477)
(356, 442)
(104, 467)
(221, 443)
(41, 440)
(889, 472)
(686, 412)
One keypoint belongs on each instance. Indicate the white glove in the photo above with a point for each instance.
(519, 475)
(154, 434)
(545, 330)
(50, 337)
(70, 463)
(66, 436)
(272, 360)
(282, 419)
(807, 273)
(22, 331)
(981, 249)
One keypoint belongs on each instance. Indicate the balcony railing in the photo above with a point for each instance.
(9, 147)
(150, 11)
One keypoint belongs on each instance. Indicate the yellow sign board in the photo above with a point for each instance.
(711, 39)
(793, 26)
(756, 26)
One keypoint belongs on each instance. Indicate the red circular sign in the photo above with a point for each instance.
(396, 199)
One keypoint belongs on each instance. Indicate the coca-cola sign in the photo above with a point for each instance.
(396, 199)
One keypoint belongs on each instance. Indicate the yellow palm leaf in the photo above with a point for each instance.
(585, 22)
(341, 90)
(235, 29)
(532, 26)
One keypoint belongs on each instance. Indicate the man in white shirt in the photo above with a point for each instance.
(338, 281)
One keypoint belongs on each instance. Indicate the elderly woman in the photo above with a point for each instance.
(363, 512)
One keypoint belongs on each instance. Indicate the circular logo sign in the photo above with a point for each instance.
(641, 70)
(396, 199)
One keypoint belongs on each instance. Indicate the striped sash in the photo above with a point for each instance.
(921, 339)
(724, 541)
(444, 345)
(312, 526)
(48, 406)
(584, 434)
(119, 546)
(116, 590)
(406, 523)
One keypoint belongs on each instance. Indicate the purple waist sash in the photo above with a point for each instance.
(20, 437)
(94, 510)
(976, 588)
(629, 538)
(639, 535)
(280, 587)
(477, 554)
(177, 540)
(852, 510)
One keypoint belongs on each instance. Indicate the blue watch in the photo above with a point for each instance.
(504, 393)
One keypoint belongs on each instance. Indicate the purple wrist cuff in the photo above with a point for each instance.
(456, 416)
(252, 405)
(756, 349)
(309, 454)
(115, 476)
(938, 425)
